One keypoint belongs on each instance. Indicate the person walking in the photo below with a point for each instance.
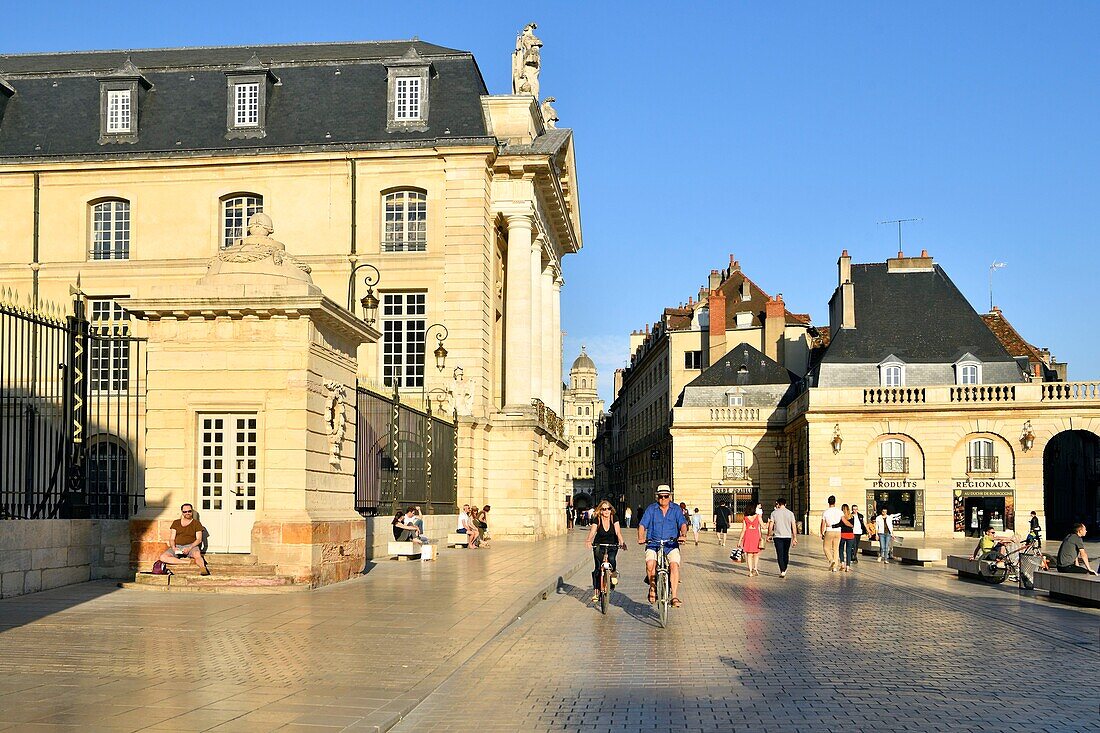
(884, 528)
(781, 531)
(752, 541)
(830, 534)
(859, 528)
(696, 524)
(626, 517)
(1034, 531)
(847, 535)
(722, 521)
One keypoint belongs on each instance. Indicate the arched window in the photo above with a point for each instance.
(969, 372)
(892, 375)
(735, 465)
(980, 458)
(405, 223)
(580, 430)
(588, 411)
(108, 471)
(587, 429)
(235, 212)
(892, 457)
(110, 230)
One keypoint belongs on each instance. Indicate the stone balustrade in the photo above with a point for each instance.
(976, 395)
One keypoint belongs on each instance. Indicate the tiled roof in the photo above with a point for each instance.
(1009, 337)
(919, 316)
(326, 95)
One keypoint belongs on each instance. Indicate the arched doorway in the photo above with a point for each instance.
(1071, 482)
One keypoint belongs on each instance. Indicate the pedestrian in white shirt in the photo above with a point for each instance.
(830, 534)
(884, 528)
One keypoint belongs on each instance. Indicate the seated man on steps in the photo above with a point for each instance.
(184, 540)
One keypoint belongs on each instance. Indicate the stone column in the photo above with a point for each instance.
(551, 366)
(517, 315)
(537, 354)
(555, 320)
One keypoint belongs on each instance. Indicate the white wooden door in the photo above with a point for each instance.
(228, 489)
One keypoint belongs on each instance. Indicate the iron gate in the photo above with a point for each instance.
(71, 412)
(404, 456)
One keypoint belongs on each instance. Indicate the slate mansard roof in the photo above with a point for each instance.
(920, 317)
(327, 94)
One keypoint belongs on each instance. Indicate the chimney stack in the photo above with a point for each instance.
(775, 324)
(717, 329)
(715, 279)
(842, 307)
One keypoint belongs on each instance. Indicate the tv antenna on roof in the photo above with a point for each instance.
(899, 222)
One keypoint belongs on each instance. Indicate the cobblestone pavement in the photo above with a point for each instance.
(892, 648)
(354, 656)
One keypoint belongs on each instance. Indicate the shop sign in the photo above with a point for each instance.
(973, 486)
(892, 484)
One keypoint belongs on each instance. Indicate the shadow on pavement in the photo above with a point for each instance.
(26, 609)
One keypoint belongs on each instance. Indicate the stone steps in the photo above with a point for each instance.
(228, 574)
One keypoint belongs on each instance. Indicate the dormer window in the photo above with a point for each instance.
(407, 98)
(249, 87)
(407, 92)
(119, 119)
(743, 319)
(891, 372)
(246, 104)
(120, 95)
(968, 370)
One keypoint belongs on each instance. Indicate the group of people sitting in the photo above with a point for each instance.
(474, 523)
(408, 526)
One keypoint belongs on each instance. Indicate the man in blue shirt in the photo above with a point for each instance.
(662, 520)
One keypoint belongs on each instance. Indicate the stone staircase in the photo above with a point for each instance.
(228, 574)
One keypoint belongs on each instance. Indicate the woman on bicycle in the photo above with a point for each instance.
(604, 531)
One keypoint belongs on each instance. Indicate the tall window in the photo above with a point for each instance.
(406, 221)
(109, 346)
(980, 458)
(246, 104)
(235, 213)
(406, 102)
(735, 465)
(111, 230)
(892, 457)
(118, 111)
(403, 339)
(693, 360)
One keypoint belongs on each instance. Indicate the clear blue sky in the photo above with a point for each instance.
(781, 132)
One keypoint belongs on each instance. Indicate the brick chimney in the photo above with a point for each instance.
(775, 323)
(717, 303)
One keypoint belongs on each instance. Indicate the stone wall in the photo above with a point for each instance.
(40, 554)
(379, 532)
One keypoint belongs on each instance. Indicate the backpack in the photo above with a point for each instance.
(161, 568)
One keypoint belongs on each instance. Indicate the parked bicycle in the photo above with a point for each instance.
(1020, 564)
(607, 574)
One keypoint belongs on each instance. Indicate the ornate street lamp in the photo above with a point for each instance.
(440, 352)
(1027, 436)
(837, 440)
(368, 301)
(779, 448)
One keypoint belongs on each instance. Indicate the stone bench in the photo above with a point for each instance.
(1076, 587)
(915, 555)
(964, 565)
(457, 540)
(404, 550)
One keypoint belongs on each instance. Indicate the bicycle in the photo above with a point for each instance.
(605, 577)
(996, 569)
(663, 581)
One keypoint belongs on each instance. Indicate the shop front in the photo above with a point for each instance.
(903, 497)
(979, 504)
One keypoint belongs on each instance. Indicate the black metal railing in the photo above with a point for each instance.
(71, 414)
(404, 456)
(981, 464)
(893, 464)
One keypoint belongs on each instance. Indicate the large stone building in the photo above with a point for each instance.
(908, 400)
(128, 172)
(581, 408)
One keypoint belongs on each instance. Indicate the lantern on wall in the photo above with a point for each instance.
(837, 440)
(1027, 436)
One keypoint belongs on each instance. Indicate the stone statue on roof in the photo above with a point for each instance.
(257, 247)
(549, 114)
(526, 62)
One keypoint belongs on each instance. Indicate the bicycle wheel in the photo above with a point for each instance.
(605, 589)
(993, 572)
(662, 596)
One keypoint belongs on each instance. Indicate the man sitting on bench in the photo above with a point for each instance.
(1072, 557)
(404, 529)
(466, 527)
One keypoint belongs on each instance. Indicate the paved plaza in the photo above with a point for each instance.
(896, 647)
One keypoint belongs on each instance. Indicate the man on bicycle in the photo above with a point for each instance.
(662, 520)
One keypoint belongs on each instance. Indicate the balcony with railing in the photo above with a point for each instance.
(956, 396)
(893, 465)
(734, 473)
(981, 464)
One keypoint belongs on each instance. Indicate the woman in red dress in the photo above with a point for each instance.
(751, 539)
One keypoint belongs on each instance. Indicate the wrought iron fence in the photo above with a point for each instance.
(893, 464)
(981, 464)
(71, 410)
(404, 456)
